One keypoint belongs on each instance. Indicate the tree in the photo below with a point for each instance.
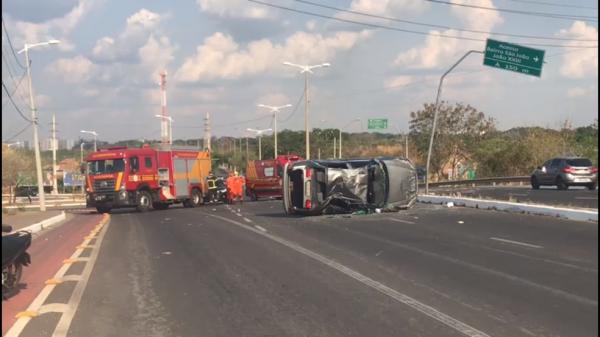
(459, 130)
(17, 169)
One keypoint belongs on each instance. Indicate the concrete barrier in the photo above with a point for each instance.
(45, 223)
(567, 213)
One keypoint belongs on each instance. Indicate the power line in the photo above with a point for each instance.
(10, 73)
(10, 44)
(18, 133)
(515, 11)
(295, 109)
(13, 103)
(373, 25)
(440, 26)
(15, 88)
(542, 3)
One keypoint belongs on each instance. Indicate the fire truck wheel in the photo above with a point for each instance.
(144, 201)
(197, 198)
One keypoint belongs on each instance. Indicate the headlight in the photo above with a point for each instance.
(123, 194)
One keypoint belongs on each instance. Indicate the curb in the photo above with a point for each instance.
(47, 206)
(45, 223)
(567, 213)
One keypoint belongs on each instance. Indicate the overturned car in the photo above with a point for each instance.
(313, 187)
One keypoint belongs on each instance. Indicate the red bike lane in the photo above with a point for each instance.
(47, 254)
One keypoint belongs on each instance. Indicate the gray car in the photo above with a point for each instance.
(313, 187)
(564, 172)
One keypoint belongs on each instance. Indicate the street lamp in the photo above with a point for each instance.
(259, 134)
(305, 69)
(34, 121)
(345, 126)
(274, 110)
(95, 134)
(170, 119)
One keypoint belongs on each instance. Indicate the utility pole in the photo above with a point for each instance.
(334, 147)
(54, 180)
(207, 132)
(164, 129)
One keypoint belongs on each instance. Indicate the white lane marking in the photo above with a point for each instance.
(38, 302)
(482, 269)
(402, 298)
(586, 198)
(260, 228)
(403, 221)
(516, 242)
(247, 220)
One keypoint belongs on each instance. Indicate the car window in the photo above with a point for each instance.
(547, 164)
(148, 162)
(579, 162)
(555, 163)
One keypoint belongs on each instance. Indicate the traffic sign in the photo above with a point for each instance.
(513, 57)
(378, 123)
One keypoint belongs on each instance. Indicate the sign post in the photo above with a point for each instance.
(513, 57)
(378, 123)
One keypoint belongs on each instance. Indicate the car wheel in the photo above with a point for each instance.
(144, 201)
(592, 187)
(561, 184)
(196, 199)
(534, 183)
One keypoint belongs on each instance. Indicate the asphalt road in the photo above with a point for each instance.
(429, 271)
(573, 197)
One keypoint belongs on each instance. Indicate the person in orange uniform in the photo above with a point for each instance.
(230, 182)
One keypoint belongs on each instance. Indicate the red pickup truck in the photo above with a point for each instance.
(263, 177)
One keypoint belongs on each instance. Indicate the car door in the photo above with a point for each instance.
(554, 170)
(544, 173)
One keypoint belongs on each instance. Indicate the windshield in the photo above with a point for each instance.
(579, 162)
(106, 166)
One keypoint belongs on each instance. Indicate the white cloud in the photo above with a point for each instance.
(387, 7)
(581, 91)
(57, 28)
(234, 8)
(583, 62)
(398, 81)
(439, 51)
(72, 70)
(221, 57)
(137, 30)
(156, 54)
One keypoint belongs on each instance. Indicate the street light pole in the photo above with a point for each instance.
(95, 134)
(274, 110)
(34, 121)
(435, 115)
(259, 135)
(305, 69)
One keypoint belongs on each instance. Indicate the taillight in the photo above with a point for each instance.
(594, 170)
(308, 204)
(568, 169)
(308, 172)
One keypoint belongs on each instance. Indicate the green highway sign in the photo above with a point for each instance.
(513, 57)
(378, 123)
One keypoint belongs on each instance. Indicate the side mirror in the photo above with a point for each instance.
(544, 169)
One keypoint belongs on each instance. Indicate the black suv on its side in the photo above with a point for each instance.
(564, 172)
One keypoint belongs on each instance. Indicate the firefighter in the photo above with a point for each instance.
(211, 183)
(236, 187)
(230, 183)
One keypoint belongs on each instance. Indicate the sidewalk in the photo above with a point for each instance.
(23, 219)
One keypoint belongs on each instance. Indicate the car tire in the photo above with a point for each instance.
(103, 209)
(143, 201)
(196, 199)
(561, 184)
(592, 187)
(534, 183)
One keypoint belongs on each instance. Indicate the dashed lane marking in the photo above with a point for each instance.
(516, 242)
(380, 287)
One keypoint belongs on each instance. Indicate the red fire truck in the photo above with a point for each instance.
(263, 177)
(145, 178)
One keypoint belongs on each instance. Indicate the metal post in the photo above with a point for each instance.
(435, 115)
(54, 180)
(406, 146)
(247, 157)
(95, 143)
(36, 143)
(306, 115)
(340, 151)
(275, 132)
(334, 150)
(259, 148)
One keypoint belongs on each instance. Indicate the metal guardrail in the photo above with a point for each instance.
(483, 181)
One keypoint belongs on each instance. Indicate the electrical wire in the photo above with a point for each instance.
(295, 109)
(15, 88)
(373, 25)
(440, 26)
(17, 134)
(542, 3)
(10, 43)
(13, 103)
(515, 11)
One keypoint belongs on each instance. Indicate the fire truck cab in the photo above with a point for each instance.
(145, 178)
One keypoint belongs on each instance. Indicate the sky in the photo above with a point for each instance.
(224, 57)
